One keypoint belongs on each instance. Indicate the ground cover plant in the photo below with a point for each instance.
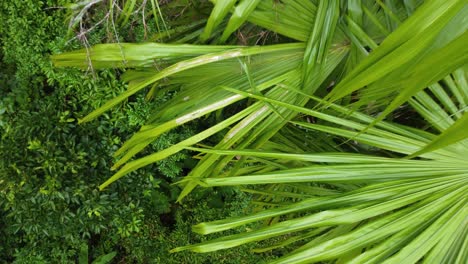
(351, 131)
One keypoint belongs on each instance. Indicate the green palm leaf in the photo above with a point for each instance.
(334, 176)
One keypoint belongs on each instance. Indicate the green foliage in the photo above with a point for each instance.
(153, 244)
(332, 180)
(25, 36)
(51, 167)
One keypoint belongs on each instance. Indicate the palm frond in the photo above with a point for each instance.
(335, 178)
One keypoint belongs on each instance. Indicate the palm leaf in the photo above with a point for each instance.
(337, 182)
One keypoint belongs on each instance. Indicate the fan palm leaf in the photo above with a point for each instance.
(371, 189)
(420, 198)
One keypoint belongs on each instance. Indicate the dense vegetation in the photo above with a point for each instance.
(344, 121)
